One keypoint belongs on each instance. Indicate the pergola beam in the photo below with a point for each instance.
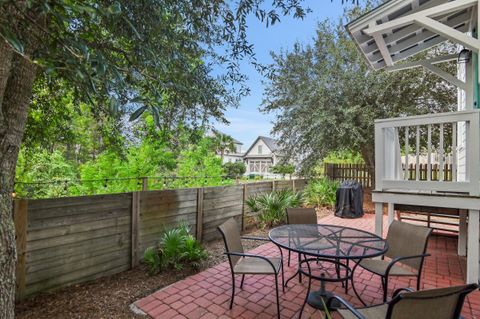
(409, 19)
(430, 65)
(449, 33)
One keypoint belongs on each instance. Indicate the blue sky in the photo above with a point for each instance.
(247, 122)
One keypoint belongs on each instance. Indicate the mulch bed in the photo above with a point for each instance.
(111, 296)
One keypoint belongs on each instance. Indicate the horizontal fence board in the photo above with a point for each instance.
(45, 233)
(72, 238)
(86, 274)
(51, 208)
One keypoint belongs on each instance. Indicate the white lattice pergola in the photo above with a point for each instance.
(389, 37)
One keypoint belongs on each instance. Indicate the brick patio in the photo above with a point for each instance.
(207, 294)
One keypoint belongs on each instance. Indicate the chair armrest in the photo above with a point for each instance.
(399, 290)
(398, 259)
(347, 305)
(255, 238)
(253, 256)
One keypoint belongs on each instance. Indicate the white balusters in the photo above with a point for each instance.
(417, 154)
(454, 152)
(406, 154)
(429, 152)
(440, 155)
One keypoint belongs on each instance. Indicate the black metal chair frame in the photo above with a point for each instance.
(254, 256)
(397, 296)
(384, 277)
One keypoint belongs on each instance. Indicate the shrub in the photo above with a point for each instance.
(234, 170)
(272, 206)
(175, 249)
(321, 192)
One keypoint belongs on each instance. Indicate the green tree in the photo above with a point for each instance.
(198, 166)
(222, 143)
(234, 170)
(153, 54)
(283, 169)
(327, 98)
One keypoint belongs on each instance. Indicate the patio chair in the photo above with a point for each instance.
(441, 303)
(301, 216)
(407, 245)
(248, 264)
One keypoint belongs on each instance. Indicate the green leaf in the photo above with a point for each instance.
(137, 113)
(115, 8)
(13, 40)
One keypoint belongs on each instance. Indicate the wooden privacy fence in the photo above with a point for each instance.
(363, 174)
(358, 172)
(64, 241)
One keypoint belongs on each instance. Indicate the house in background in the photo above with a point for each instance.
(261, 156)
(233, 157)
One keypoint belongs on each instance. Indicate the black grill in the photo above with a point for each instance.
(349, 201)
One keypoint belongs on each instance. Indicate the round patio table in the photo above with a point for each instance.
(327, 245)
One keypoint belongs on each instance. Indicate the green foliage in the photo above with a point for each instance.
(320, 192)
(199, 161)
(43, 165)
(283, 169)
(343, 157)
(326, 98)
(272, 206)
(176, 248)
(234, 170)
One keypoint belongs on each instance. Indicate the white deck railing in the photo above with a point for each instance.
(454, 135)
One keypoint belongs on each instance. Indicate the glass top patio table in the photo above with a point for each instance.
(328, 241)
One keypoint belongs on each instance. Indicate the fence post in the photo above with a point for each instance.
(293, 185)
(199, 213)
(135, 234)
(244, 199)
(20, 216)
(145, 183)
(273, 185)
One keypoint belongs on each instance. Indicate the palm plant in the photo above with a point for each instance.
(272, 206)
(321, 192)
(176, 248)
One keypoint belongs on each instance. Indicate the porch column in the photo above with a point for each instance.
(379, 219)
(473, 246)
(462, 233)
(391, 212)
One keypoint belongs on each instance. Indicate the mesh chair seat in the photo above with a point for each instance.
(375, 312)
(249, 265)
(379, 267)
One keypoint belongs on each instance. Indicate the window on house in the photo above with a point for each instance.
(259, 149)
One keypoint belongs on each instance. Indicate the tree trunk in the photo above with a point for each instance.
(368, 155)
(15, 98)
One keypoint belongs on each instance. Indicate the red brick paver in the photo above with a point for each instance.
(207, 294)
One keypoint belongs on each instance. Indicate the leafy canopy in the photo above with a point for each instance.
(152, 55)
(327, 98)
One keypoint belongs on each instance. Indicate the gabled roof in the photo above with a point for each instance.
(271, 143)
(382, 45)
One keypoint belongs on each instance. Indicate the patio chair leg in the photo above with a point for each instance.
(385, 289)
(289, 258)
(299, 274)
(233, 290)
(418, 282)
(241, 283)
(278, 299)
